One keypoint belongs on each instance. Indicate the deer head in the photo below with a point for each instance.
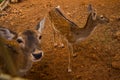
(99, 18)
(29, 42)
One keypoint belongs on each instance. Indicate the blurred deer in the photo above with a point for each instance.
(23, 49)
(5, 3)
(72, 33)
(14, 1)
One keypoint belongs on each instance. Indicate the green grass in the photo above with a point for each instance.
(1, 0)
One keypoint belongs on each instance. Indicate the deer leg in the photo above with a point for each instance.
(73, 53)
(61, 41)
(54, 35)
(70, 49)
(57, 43)
(54, 40)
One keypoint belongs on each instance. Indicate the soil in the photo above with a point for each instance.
(98, 57)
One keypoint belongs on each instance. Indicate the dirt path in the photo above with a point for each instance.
(95, 55)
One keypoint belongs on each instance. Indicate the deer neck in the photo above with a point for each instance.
(90, 24)
(82, 33)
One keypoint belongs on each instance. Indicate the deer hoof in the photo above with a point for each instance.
(69, 70)
(74, 55)
(61, 45)
(55, 44)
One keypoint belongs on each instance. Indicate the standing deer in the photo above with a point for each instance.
(72, 33)
(23, 49)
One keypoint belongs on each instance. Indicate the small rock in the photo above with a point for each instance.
(22, 17)
(116, 64)
(117, 35)
(118, 19)
(78, 76)
(116, 61)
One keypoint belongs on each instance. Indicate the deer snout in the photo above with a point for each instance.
(37, 55)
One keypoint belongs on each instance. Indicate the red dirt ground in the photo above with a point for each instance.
(98, 57)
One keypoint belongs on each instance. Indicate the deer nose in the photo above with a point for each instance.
(37, 56)
(19, 41)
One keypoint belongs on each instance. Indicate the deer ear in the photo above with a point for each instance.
(40, 26)
(90, 9)
(7, 34)
(94, 14)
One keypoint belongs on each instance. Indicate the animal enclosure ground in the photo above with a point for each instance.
(98, 57)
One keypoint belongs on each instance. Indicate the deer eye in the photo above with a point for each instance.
(19, 41)
(102, 17)
(40, 37)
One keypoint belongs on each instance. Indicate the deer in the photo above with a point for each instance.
(20, 50)
(5, 3)
(71, 32)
